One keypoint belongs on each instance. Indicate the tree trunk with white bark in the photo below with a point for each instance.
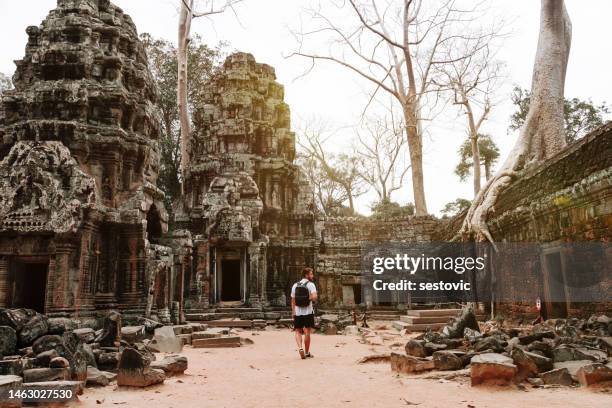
(542, 135)
(184, 30)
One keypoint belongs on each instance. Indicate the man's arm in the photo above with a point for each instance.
(313, 293)
(292, 307)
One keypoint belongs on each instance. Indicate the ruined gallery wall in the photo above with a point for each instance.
(338, 264)
(566, 199)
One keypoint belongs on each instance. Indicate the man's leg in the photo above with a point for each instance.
(298, 338)
(307, 339)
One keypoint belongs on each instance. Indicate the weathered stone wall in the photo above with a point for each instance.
(338, 265)
(79, 160)
(566, 199)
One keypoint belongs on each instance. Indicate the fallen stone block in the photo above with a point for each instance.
(108, 360)
(217, 342)
(13, 366)
(171, 365)
(10, 383)
(205, 335)
(558, 376)
(45, 374)
(529, 338)
(110, 336)
(133, 334)
(408, 364)
(47, 342)
(416, 348)
(87, 335)
(36, 327)
(568, 352)
(351, 330)
(16, 318)
(606, 344)
(97, 378)
(593, 374)
(165, 341)
(448, 360)
(59, 325)
(467, 318)
(490, 343)
(526, 366)
(492, 368)
(8, 341)
(43, 359)
(134, 370)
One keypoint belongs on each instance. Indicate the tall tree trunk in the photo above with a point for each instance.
(415, 148)
(487, 166)
(542, 135)
(184, 30)
(476, 164)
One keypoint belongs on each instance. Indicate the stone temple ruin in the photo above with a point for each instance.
(83, 228)
(80, 213)
(248, 208)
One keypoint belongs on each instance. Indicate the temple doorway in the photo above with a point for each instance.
(555, 296)
(29, 285)
(230, 280)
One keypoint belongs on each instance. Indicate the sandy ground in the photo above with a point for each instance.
(269, 373)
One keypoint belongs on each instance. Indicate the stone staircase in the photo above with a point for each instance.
(238, 316)
(428, 319)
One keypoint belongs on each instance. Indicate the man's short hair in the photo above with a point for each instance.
(306, 271)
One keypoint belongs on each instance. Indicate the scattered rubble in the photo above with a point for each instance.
(560, 352)
(75, 356)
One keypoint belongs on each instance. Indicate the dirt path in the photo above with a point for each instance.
(270, 374)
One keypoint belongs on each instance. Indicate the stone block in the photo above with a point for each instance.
(593, 374)
(8, 383)
(492, 368)
(408, 364)
(171, 365)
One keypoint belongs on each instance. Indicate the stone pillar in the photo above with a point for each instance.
(199, 285)
(133, 265)
(4, 283)
(59, 278)
(254, 275)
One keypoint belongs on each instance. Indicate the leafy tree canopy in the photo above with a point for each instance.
(456, 207)
(580, 116)
(390, 209)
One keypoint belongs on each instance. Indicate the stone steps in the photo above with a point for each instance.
(204, 317)
(384, 317)
(400, 325)
(230, 323)
(217, 342)
(433, 312)
(424, 320)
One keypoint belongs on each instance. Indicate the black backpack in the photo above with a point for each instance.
(302, 294)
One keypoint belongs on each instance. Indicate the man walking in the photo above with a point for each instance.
(303, 293)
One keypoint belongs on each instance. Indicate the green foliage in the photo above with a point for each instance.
(203, 63)
(390, 209)
(456, 207)
(580, 116)
(489, 154)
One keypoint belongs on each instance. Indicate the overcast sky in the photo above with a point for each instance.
(337, 96)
